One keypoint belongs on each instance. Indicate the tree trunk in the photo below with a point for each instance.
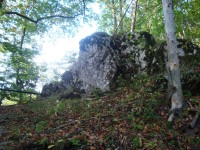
(114, 15)
(19, 82)
(121, 23)
(172, 65)
(135, 5)
(22, 38)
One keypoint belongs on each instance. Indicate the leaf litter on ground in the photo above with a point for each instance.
(125, 120)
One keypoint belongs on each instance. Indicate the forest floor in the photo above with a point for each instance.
(126, 119)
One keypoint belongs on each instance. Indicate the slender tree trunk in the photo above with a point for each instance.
(114, 14)
(135, 5)
(22, 39)
(173, 69)
(121, 23)
(19, 82)
(148, 22)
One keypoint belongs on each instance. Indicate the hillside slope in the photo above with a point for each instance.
(132, 117)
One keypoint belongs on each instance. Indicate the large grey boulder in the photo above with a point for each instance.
(135, 52)
(97, 63)
(102, 59)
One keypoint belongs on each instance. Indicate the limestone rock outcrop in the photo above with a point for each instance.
(97, 63)
(103, 58)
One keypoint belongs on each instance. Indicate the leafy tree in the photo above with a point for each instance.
(113, 17)
(150, 18)
(187, 18)
(21, 23)
(40, 16)
(144, 9)
(18, 72)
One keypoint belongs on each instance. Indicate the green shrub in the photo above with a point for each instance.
(137, 142)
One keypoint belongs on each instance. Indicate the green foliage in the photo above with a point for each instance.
(196, 141)
(97, 93)
(131, 117)
(19, 72)
(60, 108)
(65, 94)
(18, 44)
(16, 130)
(171, 143)
(75, 142)
(149, 114)
(37, 11)
(112, 16)
(44, 141)
(149, 18)
(137, 142)
(40, 126)
(142, 83)
(137, 127)
(150, 145)
(187, 22)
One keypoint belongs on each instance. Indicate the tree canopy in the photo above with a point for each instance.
(150, 17)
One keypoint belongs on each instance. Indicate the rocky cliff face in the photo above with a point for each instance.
(103, 58)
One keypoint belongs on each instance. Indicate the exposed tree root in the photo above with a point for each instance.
(195, 120)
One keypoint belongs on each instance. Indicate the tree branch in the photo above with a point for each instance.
(22, 39)
(121, 21)
(40, 19)
(57, 16)
(18, 91)
(20, 15)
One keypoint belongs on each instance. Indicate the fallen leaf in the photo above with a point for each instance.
(50, 146)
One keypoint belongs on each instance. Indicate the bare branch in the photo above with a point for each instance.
(18, 91)
(20, 15)
(57, 16)
(42, 18)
